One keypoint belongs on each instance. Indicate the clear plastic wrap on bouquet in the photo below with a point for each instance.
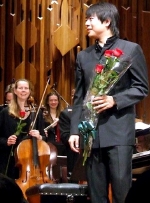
(104, 80)
(111, 79)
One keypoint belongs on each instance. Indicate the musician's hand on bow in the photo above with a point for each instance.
(11, 140)
(35, 133)
(46, 133)
(74, 143)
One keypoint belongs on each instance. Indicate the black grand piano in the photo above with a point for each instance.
(141, 157)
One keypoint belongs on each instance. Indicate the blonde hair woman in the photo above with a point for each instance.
(15, 123)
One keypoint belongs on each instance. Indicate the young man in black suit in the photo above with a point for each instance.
(111, 156)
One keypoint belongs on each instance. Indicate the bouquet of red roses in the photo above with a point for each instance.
(104, 79)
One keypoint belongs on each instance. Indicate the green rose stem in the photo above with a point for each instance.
(88, 131)
(18, 131)
(87, 149)
(9, 159)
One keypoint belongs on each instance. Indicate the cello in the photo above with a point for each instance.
(32, 158)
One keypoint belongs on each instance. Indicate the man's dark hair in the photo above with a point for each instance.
(10, 191)
(104, 11)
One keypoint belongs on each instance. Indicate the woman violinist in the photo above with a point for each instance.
(9, 120)
(8, 96)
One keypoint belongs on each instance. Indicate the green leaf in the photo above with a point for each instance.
(19, 128)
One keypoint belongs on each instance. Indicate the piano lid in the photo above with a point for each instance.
(141, 157)
(142, 132)
(140, 154)
(142, 128)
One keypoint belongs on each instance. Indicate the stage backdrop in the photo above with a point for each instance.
(39, 37)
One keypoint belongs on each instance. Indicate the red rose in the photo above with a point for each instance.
(108, 53)
(22, 114)
(117, 52)
(99, 68)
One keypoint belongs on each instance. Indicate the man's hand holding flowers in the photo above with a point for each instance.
(101, 103)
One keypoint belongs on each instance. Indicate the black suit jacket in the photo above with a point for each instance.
(64, 125)
(116, 126)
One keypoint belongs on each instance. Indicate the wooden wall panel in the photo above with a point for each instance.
(144, 40)
(42, 43)
(126, 22)
(134, 27)
(42, 36)
(9, 48)
(134, 22)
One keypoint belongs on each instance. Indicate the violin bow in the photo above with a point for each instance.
(33, 123)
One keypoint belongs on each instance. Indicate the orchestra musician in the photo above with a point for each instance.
(9, 120)
(64, 125)
(51, 114)
(8, 95)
